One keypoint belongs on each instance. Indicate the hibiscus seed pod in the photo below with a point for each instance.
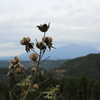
(33, 69)
(25, 40)
(42, 46)
(33, 56)
(35, 86)
(16, 59)
(43, 39)
(47, 40)
(50, 39)
(13, 62)
(28, 39)
(22, 42)
(44, 27)
(18, 71)
(11, 67)
(28, 84)
(38, 45)
(10, 73)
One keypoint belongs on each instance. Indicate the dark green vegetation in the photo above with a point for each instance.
(79, 79)
(71, 88)
(46, 64)
(88, 65)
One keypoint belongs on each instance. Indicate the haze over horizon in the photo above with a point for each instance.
(74, 21)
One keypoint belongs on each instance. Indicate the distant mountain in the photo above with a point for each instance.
(66, 52)
(88, 65)
(71, 51)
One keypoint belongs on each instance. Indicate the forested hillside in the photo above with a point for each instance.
(48, 64)
(78, 79)
(88, 65)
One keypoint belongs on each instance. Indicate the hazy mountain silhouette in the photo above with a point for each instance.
(66, 52)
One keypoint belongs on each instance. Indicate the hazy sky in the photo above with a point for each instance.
(72, 21)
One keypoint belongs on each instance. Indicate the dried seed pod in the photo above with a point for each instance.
(10, 73)
(33, 69)
(38, 45)
(11, 67)
(18, 66)
(41, 45)
(18, 71)
(35, 86)
(47, 40)
(28, 39)
(28, 84)
(43, 39)
(16, 59)
(44, 27)
(33, 56)
(13, 62)
(50, 39)
(22, 42)
(25, 40)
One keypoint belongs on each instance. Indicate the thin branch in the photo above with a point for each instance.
(38, 96)
(36, 40)
(45, 59)
(33, 78)
(22, 78)
(44, 34)
(34, 51)
(44, 81)
(15, 96)
(59, 96)
(10, 95)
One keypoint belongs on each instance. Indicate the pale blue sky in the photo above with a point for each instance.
(72, 21)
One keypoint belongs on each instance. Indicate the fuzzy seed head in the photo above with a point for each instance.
(33, 56)
(50, 39)
(28, 39)
(33, 69)
(25, 40)
(10, 73)
(11, 67)
(41, 45)
(13, 62)
(16, 59)
(38, 44)
(35, 86)
(18, 70)
(47, 40)
(22, 42)
(28, 84)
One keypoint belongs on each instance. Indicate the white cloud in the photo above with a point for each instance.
(74, 20)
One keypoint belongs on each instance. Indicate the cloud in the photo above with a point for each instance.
(74, 20)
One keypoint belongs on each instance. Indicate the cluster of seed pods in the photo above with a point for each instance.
(15, 66)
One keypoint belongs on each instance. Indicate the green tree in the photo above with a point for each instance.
(89, 89)
(82, 88)
(96, 91)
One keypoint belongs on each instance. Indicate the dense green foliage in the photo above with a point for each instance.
(71, 88)
(48, 64)
(88, 65)
(80, 81)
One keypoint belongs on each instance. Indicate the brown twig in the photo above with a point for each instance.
(45, 59)
(33, 77)
(38, 97)
(44, 81)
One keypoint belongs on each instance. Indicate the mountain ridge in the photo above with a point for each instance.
(65, 52)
